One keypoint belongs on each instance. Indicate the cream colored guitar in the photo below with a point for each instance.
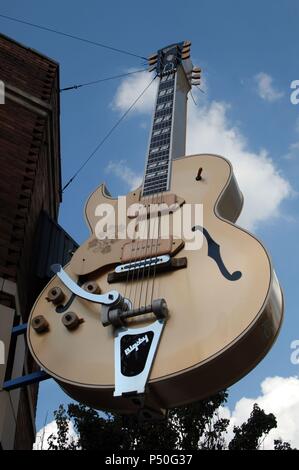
(140, 321)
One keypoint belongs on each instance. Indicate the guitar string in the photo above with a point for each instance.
(154, 229)
(133, 259)
(155, 197)
(161, 200)
(99, 145)
(143, 239)
(147, 244)
(146, 251)
(148, 228)
(155, 238)
(158, 218)
(139, 241)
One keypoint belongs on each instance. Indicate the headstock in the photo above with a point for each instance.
(169, 58)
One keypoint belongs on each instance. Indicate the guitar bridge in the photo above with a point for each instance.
(148, 266)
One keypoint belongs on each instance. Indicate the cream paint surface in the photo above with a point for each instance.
(206, 311)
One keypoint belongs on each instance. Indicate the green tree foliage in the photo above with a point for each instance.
(193, 427)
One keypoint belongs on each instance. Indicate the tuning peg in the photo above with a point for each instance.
(185, 55)
(186, 48)
(196, 76)
(185, 52)
(152, 59)
(153, 56)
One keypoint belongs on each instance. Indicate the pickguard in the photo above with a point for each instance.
(214, 253)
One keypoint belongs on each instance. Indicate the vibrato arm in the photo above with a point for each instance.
(110, 298)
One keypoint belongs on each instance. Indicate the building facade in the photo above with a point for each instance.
(30, 238)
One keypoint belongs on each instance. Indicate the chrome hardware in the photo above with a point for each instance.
(134, 353)
(110, 298)
(143, 263)
(118, 316)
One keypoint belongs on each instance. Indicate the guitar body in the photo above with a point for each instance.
(220, 324)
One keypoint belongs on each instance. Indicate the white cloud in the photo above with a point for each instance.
(293, 152)
(280, 396)
(130, 89)
(41, 438)
(266, 89)
(210, 131)
(263, 187)
(122, 171)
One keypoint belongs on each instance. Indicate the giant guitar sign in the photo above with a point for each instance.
(143, 323)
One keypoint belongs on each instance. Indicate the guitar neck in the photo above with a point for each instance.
(168, 133)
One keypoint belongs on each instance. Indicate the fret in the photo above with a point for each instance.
(164, 105)
(163, 113)
(161, 158)
(158, 161)
(160, 133)
(152, 180)
(157, 164)
(160, 141)
(149, 176)
(155, 189)
(157, 153)
(166, 78)
(159, 146)
(160, 126)
(155, 182)
(157, 171)
(160, 155)
(166, 91)
(153, 185)
(165, 99)
(157, 120)
(150, 184)
(162, 138)
(166, 83)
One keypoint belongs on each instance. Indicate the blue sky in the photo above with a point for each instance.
(234, 42)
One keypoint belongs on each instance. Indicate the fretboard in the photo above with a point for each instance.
(156, 179)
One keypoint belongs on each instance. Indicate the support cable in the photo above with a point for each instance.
(106, 136)
(72, 36)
